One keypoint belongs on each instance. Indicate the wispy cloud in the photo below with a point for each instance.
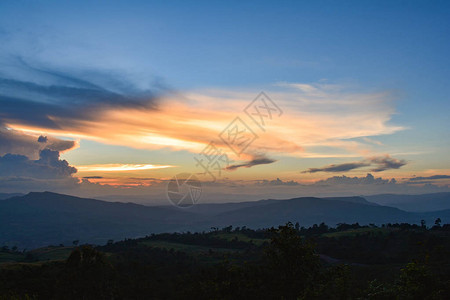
(386, 163)
(434, 177)
(42, 97)
(316, 115)
(257, 160)
(339, 167)
(381, 163)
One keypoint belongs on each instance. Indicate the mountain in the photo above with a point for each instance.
(41, 219)
(414, 203)
(9, 195)
(217, 208)
(354, 199)
(309, 211)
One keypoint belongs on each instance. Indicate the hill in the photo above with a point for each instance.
(40, 219)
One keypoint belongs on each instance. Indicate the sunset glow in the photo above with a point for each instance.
(119, 167)
(132, 105)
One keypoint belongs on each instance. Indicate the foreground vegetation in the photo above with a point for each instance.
(395, 261)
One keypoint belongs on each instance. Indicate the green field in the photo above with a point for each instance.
(354, 232)
(52, 253)
(240, 237)
(10, 257)
(190, 249)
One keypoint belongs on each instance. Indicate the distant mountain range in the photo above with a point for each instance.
(217, 208)
(41, 219)
(9, 195)
(414, 203)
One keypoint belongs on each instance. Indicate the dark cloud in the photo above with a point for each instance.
(70, 104)
(41, 95)
(56, 99)
(28, 184)
(338, 168)
(386, 163)
(92, 177)
(344, 180)
(48, 166)
(427, 179)
(89, 96)
(434, 177)
(17, 142)
(257, 160)
(42, 139)
(381, 163)
(278, 181)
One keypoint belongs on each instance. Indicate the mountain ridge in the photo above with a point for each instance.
(414, 203)
(44, 218)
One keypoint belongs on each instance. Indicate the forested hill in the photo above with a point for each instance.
(350, 261)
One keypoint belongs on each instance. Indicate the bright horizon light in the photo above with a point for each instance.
(120, 167)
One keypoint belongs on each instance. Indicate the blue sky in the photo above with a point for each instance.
(395, 48)
(212, 43)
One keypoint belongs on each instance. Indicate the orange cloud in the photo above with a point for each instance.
(314, 116)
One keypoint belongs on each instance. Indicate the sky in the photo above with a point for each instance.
(256, 98)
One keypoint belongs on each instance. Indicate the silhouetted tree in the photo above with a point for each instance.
(87, 275)
(416, 282)
(438, 222)
(423, 224)
(292, 262)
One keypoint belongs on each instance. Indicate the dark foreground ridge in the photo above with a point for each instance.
(350, 261)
